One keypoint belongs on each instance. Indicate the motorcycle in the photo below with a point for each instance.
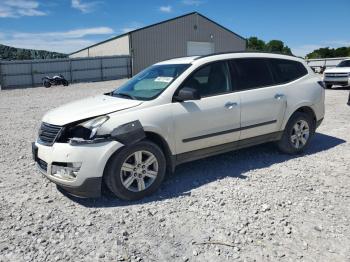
(54, 81)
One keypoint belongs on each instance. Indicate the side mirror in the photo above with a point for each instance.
(187, 93)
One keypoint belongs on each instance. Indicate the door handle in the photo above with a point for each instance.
(279, 96)
(230, 105)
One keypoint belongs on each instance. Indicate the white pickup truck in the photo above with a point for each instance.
(339, 75)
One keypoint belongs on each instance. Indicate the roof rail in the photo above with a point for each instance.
(239, 52)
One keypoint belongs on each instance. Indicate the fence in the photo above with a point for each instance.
(26, 73)
(320, 63)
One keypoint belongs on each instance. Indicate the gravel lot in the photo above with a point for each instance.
(250, 205)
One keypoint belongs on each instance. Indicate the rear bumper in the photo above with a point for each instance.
(93, 159)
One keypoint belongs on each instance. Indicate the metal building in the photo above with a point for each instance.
(186, 35)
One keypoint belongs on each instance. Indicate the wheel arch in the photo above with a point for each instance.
(307, 109)
(162, 143)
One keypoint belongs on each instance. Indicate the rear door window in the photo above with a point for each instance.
(248, 73)
(286, 70)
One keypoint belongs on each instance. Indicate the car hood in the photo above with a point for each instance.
(87, 108)
(338, 70)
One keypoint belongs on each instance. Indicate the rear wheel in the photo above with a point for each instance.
(297, 134)
(136, 171)
(47, 84)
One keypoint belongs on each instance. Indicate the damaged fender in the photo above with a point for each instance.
(126, 134)
(129, 133)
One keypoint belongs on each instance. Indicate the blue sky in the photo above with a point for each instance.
(69, 25)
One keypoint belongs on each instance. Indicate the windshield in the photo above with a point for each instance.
(345, 63)
(149, 83)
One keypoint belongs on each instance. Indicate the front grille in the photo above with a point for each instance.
(336, 74)
(42, 164)
(48, 133)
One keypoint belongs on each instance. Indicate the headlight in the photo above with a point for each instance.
(95, 124)
(87, 130)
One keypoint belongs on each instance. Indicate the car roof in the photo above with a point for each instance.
(179, 60)
(223, 56)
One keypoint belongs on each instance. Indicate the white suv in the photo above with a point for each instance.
(339, 75)
(174, 112)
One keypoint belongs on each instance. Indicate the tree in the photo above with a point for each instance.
(341, 52)
(12, 53)
(286, 50)
(327, 52)
(275, 46)
(254, 43)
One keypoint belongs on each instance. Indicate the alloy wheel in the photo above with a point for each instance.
(139, 171)
(300, 134)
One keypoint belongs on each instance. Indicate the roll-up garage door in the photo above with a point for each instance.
(200, 48)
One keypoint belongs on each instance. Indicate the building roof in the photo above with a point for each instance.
(162, 22)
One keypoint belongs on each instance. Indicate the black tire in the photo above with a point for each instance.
(285, 144)
(65, 82)
(113, 176)
(329, 86)
(47, 84)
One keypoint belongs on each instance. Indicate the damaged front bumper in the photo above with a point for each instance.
(77, 165)
(78, 169)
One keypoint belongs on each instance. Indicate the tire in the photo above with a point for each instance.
(329, 86)
(47, 84)
(64, 82)
(122, 169)
(288, 143)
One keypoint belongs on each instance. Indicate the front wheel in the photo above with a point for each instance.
(136, 171)
(65, 82)
(297, 134)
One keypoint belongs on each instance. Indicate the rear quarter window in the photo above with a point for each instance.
(285, 71)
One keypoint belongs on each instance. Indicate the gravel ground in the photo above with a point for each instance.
(250, 205)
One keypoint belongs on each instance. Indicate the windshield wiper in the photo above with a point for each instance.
(126, 95)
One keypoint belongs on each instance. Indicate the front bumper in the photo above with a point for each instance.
(337, 80)
(93, 159)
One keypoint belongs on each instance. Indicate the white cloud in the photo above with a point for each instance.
(166, 9)
(192, 2)
(65, 42)
(303, 50)
(18, 8)
(131, 27)
(62, 46)
(71, 34)
(84, 7)
(339, 43)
